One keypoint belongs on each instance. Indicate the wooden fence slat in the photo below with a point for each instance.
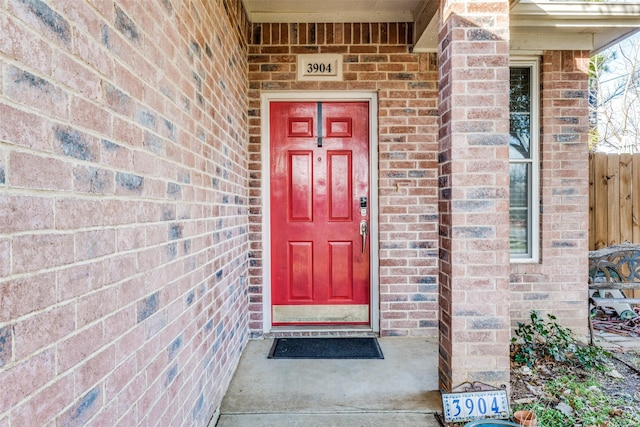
(592, 193)
(626, 208)
(600, 204)
(635, 197)
(613, 199)
(635, 201)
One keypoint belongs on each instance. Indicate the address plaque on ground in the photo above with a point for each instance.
(320, 67)
(476, 404)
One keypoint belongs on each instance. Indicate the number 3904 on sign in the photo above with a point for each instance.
(467, 406)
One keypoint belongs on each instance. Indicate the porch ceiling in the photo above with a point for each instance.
(535, 24)
(576, 25)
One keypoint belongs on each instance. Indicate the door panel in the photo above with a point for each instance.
(341, 284)
(340, 185)
(301, 271)
(300, 198)
(319, 173)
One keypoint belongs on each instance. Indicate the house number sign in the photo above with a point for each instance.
(319, 67)
(327, 69)
(469, 406)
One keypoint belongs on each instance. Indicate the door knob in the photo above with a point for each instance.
(364, 230)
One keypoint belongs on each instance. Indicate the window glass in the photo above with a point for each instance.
(520, 99)
(519, 209)
(520, 136)
(523, 169)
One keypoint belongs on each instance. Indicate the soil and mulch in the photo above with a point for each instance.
(620, 381)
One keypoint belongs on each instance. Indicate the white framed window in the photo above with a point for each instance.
(524, 160)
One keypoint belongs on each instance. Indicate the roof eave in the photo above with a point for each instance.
(592, 26)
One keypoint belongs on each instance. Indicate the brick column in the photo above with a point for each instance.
(474, 192)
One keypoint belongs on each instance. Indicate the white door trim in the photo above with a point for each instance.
(266, 99)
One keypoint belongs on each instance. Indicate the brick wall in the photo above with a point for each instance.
(474, 193)
(558, 284)
(123, 210)
(377, 58)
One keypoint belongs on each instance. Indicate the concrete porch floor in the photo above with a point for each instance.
(401, 390)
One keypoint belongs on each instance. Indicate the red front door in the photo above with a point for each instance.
(319, 204)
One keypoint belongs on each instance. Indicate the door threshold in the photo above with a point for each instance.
(320, 331)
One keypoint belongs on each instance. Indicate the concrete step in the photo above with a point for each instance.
(344, 419)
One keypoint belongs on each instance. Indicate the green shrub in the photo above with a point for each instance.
(541, 340)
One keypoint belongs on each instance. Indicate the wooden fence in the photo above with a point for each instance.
(614, 199)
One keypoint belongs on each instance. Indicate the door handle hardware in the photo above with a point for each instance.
(363, 206)
(364, 230)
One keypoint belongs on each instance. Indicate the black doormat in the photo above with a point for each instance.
(325, 348)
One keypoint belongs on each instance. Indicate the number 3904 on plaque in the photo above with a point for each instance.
(467, 406)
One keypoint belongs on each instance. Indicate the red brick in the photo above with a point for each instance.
(128, 81)
(76, 144)
(24, 46)
(25, 378)
(75, 75)
(156, 234)
(118, 212)
(120, 377)
(94, 244)
(37, 251)
(36, 92)
(95, 369)
(79, 280)
(119, 322)
(83, 15)
(88, 48)
(89, 116)
(6, 345)
(74, 213)
(148, 399)
(5, 257)
(145, 163)
(131, 290)
(116, 155)
(42, 408)
(131, 393)
(95, 306)
(129, 343)
(153, 189)
(43, 329)
(85, 408)
(27, 170)
(25, 295)
(40, 19)
(120, 267)
(130, 238)
(24, 129)
(89, 179)
(79, 346)
(126, 133)
(130, 416)
(160, 406)
(158, 367)
(153, 212)
(106, 417)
